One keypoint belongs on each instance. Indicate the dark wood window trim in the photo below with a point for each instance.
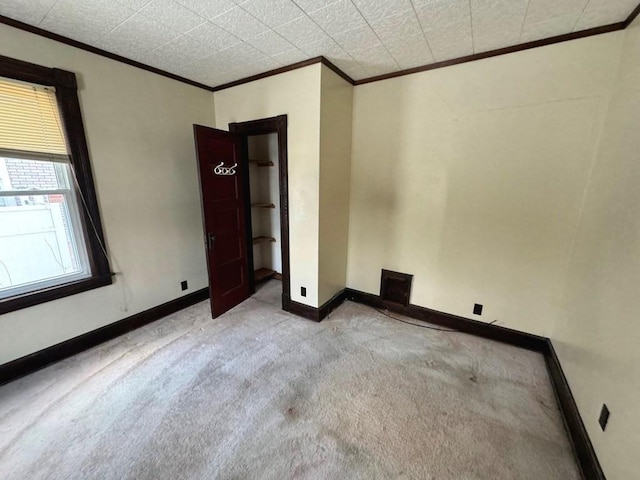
(71, 116)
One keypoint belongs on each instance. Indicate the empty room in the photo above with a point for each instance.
(306, 239)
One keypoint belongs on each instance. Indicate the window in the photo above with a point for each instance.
(51, 242)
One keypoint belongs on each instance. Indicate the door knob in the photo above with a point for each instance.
(211, 238)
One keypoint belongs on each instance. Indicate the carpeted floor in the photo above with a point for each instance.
(262, 394)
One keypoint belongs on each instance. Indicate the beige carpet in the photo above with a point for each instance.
(261, 394)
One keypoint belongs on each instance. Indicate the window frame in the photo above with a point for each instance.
(66, 87)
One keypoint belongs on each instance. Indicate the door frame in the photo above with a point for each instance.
(265, 126)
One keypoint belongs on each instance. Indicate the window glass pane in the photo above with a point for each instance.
(40, 233)
(21, 174)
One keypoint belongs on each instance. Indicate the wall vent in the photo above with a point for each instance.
(395, 288)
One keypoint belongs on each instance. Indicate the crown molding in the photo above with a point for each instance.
(632, 16)
(324, 61)
(294, 66)
(98, 51)
(500, 51)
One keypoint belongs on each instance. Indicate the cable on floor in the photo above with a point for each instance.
(428, 327)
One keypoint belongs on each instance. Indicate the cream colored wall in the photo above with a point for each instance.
(139, 131)
(297, 94)
(335, 174)
(509, 182)
(597, 335)
(470, 178)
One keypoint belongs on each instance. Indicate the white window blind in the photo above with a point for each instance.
(30, 121)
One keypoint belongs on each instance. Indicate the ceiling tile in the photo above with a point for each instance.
(261, 66)
(273, 12)
(497, 23)
(412, 52)
(173, 15)
(447, 25)
(290, 57)
(137, 34)
(374, 10)
(213, 36)
(270, 43)
(134, 4)
(175, 64)
(605, 12)
(239, 54)
(202, 70)
(545, 10)
(491, 17)
(338, 17)
(327, 48)
(357, 72)
(360, 38)
(222, 78)
(86, 21)
(241, 23)
(351, 68)
(301, 31)
(185, 47)
(377, 70)
(548, 29)
(448, 44)
(311, 5)
(493, 41)
(29, 12)
(396, 28)
(208, 8)
(443, 15)
(376, 57)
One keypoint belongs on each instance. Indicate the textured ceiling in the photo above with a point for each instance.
(219, 41)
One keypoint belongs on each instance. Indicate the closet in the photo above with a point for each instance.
(244, 191)
(264, 188)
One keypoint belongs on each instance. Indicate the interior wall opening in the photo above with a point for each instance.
(264, 187)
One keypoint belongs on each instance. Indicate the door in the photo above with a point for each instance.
(221, 186)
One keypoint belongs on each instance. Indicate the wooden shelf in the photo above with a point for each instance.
(262, 163)
(263, 274)
(263, 205)
(257, 240)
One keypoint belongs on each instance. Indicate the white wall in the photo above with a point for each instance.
(335, 175)
(139, 132)
(297, 94)
(470, 177)
(598, 332)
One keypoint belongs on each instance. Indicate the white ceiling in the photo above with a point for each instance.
(219, 41)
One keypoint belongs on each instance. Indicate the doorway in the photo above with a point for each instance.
(244, 193)
(263, 152)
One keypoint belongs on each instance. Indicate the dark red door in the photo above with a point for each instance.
(221, 187)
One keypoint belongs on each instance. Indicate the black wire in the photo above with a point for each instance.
(415, 324)
(422, 326)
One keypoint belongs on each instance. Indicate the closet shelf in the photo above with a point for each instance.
(263, 274)
(262, 163)
(263, 205)
(257, 240)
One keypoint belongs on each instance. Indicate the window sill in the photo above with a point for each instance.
(37, 297)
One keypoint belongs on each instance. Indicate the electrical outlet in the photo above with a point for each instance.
(184, 285)
(604, 416)
(477, 309)
(303, 291)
